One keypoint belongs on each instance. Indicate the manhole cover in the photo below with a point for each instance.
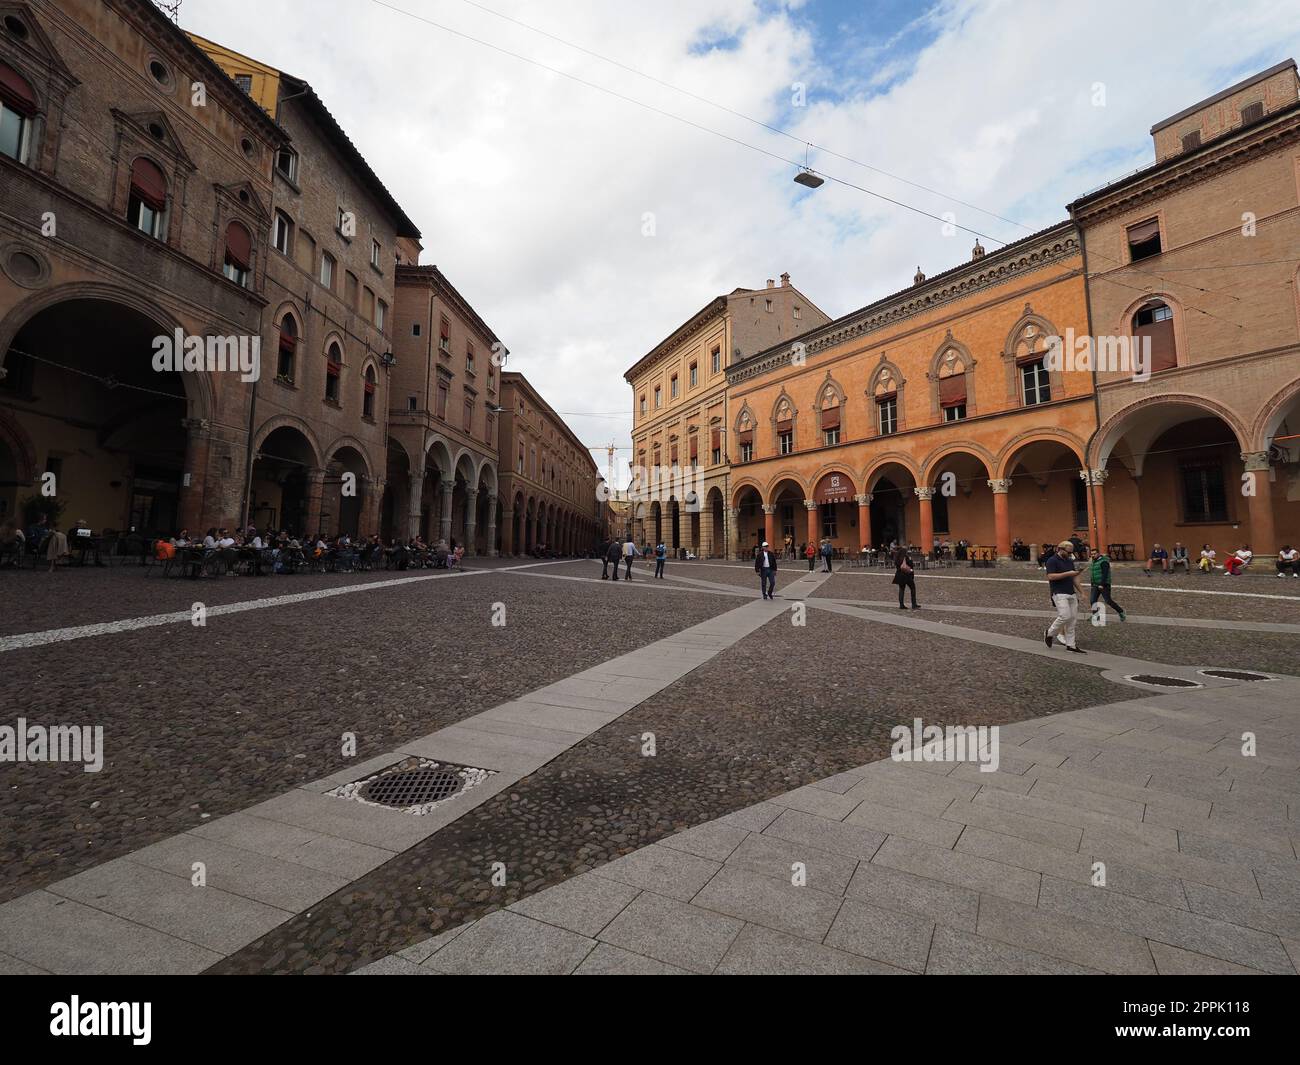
(1234, 674)
(414, 787)
(1163, 681)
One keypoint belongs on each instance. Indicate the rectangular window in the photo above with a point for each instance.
(747, 452)
(1144, 239)
(327, 271)
(798, 313)
(659, 397)
(672, 386)
(282, 229)
(785, 442)
(1252, 113)
(830, 437)
(695, 374)
(1035, 386)
(441, 409)
(769, 306)
(375, 252)
(716, 455)
(716, 356)
(887, 415)
(444, 335)
(286, 161)
(829, 528)
(381, 315)
(954, 414)
(469, 358)
(1204, 496)
(643, 404)
(15, 133)
(415, 329)
(245, 83)
(412, 402)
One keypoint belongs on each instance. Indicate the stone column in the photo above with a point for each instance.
(315, 493)
(864, 519)
(492, 525)
(1260, 502)
(444, 514)
(507, 530)
(373, 498)
(471, 520)
(926, 497)
(198, 438)
(1002, 515)
(769, 523)
(733, 533)
(814, 537)
(416, 483)
(1095, 481)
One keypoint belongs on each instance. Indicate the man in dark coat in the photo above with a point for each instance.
(765, 567)
(613, 553)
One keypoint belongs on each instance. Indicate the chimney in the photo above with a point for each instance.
(771, 283)
(785, 280)
(919, 278)
(977, 252)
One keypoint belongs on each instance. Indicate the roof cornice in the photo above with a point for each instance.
(692, 325)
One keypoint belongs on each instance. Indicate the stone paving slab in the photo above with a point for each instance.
(916, 868)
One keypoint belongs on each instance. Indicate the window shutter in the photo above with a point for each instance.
(717, 439)
(1164, 355)
(745, 436)
(695, 447)
(1143, 231)
(786, 425)
(239, 246)
(15, 91)
(148, 182)
(830, 418)
(952, 390)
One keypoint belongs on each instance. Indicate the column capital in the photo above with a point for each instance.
(924, 493)
(1255, 461)
(1094, 476)
(810, 504)
(769, 508)
(1000, 485)
(863, 499)
(196, 425)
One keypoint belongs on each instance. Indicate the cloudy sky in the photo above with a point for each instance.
(533, 188)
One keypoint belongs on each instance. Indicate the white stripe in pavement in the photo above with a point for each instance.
(1153, 587)
(176, 617)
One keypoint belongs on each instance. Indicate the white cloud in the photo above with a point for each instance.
(531, 189)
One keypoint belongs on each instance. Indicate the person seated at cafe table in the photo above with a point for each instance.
(83, 541)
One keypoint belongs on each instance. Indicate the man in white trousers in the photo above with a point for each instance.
(1062, 586)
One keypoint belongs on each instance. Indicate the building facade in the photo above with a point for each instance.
(681, 454)
(319, 410)
(1197, 253)
(550, 484)
(931, 412)
(443, 425)
(129, 164)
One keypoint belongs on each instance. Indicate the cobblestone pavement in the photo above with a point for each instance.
(215, 719)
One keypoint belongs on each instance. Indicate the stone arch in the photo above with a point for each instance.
(1271, 415)
(357, 446)
(200, 397)
(872, 470)
(436, 448)
(783, 477)
(280, 421)
(740, 487)
(931, 463)
(1120, 423)
(1002, 466)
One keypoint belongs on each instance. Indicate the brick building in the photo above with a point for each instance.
(680, 447)
(442, 449)
(129, 163)
(1198, 252)
(549, 481)
(931, 412)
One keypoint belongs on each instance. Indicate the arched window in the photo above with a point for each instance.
(1153, 329)
(368, 393)
(17, 113)
(239, 254)
(288, 349)
(952, 386)
(884, 394)
(146, 207)
(333, 372)
(784, 418)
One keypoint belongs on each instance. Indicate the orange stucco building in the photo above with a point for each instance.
(933, 412)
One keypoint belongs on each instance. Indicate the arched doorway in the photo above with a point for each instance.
(286, 491)
(110, 427)
(895, 510)
(962, 504)
(344, 499)
(714, 524)
(749, 520)
(791, 515)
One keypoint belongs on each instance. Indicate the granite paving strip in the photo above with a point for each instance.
(149, 890)
(873, 878)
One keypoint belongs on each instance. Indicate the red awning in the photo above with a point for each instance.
(15, 91)
(785, 425)
(830, 418)
(148, 182)
(885, 396)
(745, 436)
(952, 390)
(239, 245)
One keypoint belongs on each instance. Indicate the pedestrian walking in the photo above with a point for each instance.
(1099, 573)
(905, 577)
(661, 553)
(827, 551)
(765, 567)
(810, 552)
(629, 553)
(613, 553)
(1062, 586)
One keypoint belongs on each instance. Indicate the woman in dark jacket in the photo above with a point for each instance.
(904, 577)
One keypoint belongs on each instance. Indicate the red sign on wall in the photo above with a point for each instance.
(834, 488)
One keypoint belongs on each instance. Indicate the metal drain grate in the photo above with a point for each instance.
(413, 787)
(1234, 674)
(1163, 681)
